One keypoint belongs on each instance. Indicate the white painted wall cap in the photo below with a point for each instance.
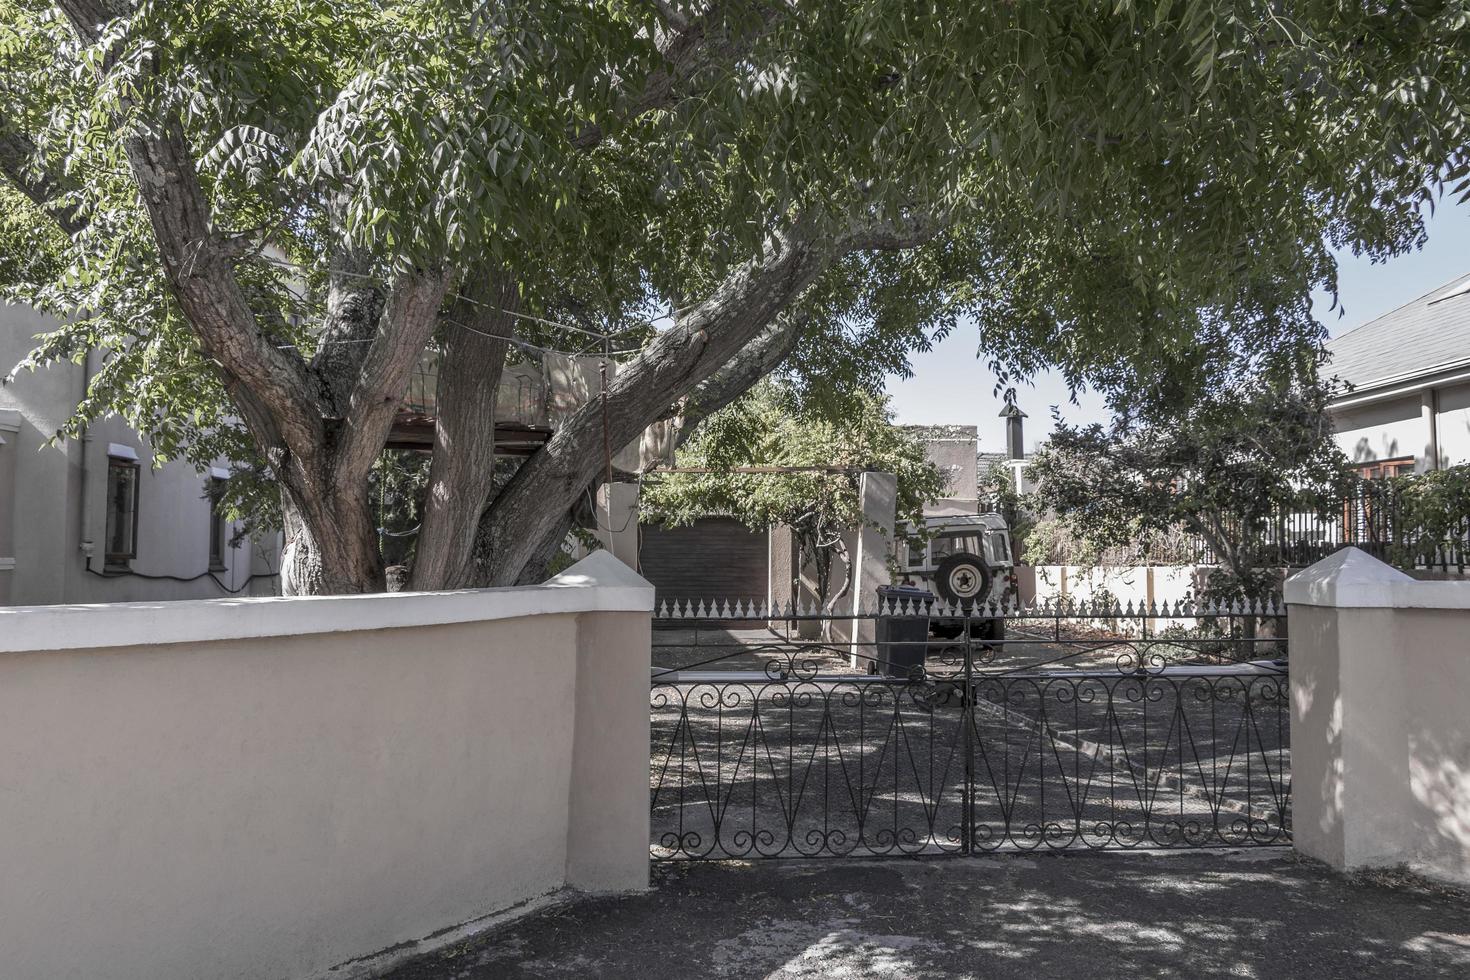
(1353, 579)
(591, 585)
(602, 568)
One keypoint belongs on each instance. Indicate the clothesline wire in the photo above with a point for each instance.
(383, 281)
(517, 341)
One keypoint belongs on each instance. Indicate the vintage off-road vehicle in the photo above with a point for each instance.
(966, 561)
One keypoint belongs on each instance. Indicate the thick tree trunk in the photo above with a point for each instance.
(462, 472)
(331, 549)
(759, 358)
(538, 566)
(701, 342)
(320, 426)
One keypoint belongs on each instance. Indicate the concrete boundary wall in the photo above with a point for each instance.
(1138, 584)
(1380, 728)
(276, 787)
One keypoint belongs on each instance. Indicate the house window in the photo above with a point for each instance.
(1381, 469)
(122, 511)
(219, 526)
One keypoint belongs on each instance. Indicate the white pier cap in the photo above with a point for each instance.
(1353, 579)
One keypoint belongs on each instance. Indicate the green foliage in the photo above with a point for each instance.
(769, 428)
(1053, 540)
(1138, 193)
(1218, 466)
(30, 244)
(1433, 513)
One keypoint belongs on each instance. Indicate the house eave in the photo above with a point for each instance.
(1386, 389)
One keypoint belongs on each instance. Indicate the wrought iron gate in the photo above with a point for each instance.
(781, 733)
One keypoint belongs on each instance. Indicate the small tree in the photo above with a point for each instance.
(814, 459)
(1432, 514)
(1222, 467)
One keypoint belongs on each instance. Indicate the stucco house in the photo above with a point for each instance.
(91, 520)
(1409, 407)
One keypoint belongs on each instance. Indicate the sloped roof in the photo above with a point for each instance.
(1428, 335)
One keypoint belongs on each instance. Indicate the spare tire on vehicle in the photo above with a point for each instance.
(963, 579)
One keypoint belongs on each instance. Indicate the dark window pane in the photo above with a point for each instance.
(122, 510)
(218, 527)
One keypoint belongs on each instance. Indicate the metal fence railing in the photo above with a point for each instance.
(1373, 516)
(930, 730)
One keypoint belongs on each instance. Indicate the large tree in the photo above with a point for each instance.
(265, 213)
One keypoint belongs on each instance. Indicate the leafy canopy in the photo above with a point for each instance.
(1139, 193)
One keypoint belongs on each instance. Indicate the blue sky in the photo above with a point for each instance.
(951, 385)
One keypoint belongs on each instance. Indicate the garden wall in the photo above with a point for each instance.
(271, 787)
(1380, 732)
(1138, 584)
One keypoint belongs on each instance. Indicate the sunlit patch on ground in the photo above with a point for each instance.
(1000, 916)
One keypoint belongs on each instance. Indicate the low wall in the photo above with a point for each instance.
(272, 787)
(1138, 584)
(1380, 732)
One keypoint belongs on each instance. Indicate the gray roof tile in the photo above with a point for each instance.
(1422, 337)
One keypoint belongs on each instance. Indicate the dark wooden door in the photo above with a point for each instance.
(714, 558)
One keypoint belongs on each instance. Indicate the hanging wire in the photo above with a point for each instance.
(512, 339)
(384, 281)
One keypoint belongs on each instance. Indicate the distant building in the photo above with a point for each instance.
(91, 520)
(951, 448)
(1409, 407)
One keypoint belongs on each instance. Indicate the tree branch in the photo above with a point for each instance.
(19, 163)
(759, 358)
(895, 236)
(462, 471)
(354, 307)
(271, 386)
(700, 343)
(407, 322)
(691, 48)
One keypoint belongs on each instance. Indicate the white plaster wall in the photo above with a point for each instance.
(1380, 733)
(1454, 425)
(9, 427)
(46, 508)
(1383, 430)
(1125, 583)
(955, 458)
(369, 773)
(43, 514)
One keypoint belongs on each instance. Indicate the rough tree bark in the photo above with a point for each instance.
(759, 358)
(319, 432)
(462, 470)
(699, 344)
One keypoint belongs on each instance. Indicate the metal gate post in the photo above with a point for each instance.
(967, 732)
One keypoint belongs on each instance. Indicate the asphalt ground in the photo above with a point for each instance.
(1264, 913)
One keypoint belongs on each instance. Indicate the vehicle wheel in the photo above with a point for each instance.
(963, 579)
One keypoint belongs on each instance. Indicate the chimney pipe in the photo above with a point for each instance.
(1015, 446)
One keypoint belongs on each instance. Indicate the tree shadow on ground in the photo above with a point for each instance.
(1201, 914)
